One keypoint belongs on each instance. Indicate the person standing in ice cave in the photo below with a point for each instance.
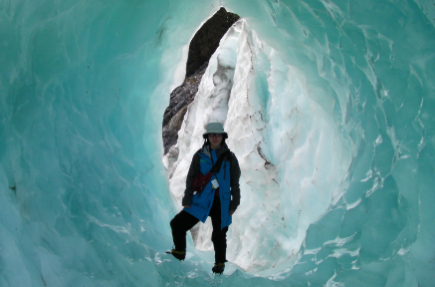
(212, 189)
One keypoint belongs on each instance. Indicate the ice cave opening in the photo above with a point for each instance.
(293, 164)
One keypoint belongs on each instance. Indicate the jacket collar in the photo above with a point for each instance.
(207, 151)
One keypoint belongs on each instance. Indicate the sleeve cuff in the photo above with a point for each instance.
(185, 201)
(233, 206)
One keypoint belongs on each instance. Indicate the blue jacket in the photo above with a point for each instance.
(228, 179)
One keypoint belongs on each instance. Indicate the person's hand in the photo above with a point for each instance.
(231, 212)
(187, 206)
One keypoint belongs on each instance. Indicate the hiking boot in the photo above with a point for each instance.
(180, 255)
(218, 268)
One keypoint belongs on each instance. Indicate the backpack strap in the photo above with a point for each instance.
(217, 166)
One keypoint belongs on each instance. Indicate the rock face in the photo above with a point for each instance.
(201, 48)
(180, 99)
(206, 40)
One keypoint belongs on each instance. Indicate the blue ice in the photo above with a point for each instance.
(84, 196)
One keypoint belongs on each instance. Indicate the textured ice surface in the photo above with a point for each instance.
(337, 96)
(291, 161)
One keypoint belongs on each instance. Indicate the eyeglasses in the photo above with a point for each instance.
(215, 135)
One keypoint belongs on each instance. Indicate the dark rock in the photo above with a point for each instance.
(201, 48)
(180, 99)
(206, 40)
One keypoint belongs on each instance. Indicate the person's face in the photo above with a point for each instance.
(215, 140)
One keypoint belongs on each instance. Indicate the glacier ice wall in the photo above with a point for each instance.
(293, 163)
(84, 195)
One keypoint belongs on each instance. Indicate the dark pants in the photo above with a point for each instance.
(184, 221)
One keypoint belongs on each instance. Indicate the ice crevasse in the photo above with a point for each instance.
(329, 106)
